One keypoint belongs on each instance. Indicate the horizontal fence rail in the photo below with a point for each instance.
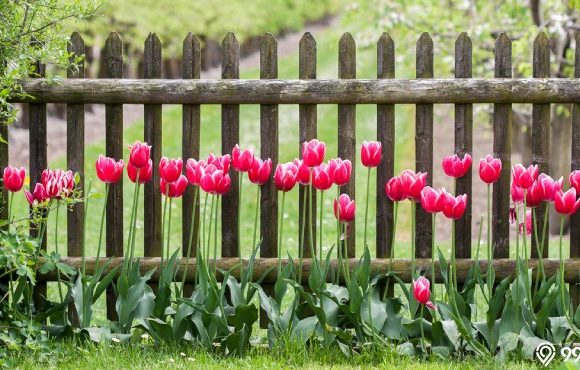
(344, 91)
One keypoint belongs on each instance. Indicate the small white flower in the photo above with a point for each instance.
(171, 360)
(116, 340)
(182, 354)
(144, 336)
(191, 359)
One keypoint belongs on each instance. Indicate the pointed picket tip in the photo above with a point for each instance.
(307, 39)
(503, 38)
(347, 38)
(425, 39)
(463, 39)
(191, 41)
(386, 40)
(230, 39)
(542, 39)
(152, 37)
(269, 38)
(114, 38)
(76, 38)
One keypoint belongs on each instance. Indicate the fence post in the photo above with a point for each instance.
(113, 60)
(502, 149)
(75, 155)
(307, 131)
(152, 133)
(347, 126)
(190, 146)
(268, 149)
(575, 164)
(541, 138)
(463, 145)
(424, 145)
(386, 136)
(38, 162)
(230, 137)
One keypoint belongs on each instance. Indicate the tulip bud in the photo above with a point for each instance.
(140, 154)
(242, 159)
(13, 178)
(489, 169)
(344, 208)
(455, 167)
(260, 171)
(370, 153)
(313, 152)
(170, 169)
(524, 177)
(109, 171)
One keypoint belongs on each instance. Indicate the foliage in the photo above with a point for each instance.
(31, 32)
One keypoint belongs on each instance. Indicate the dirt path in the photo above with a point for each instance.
(95, 119)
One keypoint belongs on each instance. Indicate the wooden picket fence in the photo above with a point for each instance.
(385, 91)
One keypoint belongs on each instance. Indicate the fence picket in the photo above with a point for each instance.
(575, 165)
(307, 131)
(113, 61)
(541, 135)
(424, 145)
(463, 145)
(230, 137)
(190, 145)
(153, 136)
(386, 136)
(502, 149)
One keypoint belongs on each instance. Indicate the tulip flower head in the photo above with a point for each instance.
(455, 206)
(170, 169)
(285, 176)
(260, 171)
(215, 181)
(194, 170)
(566, 203)
(221, 162)
(303, 175)
(422, 293)
(242, 159)
(339, 171)
(57, 183)
(534, 195)
(141, 174)
(370, 153)
(394, 189)
(549, 186)
(313, 152)
(173, 189)
(109, 171)
(489, 169)
(517, 193)
(575, 180)
(321, 179)
(13, 178)
(38, 196)
(344, 208)
(140, 154)
(433, 201)
(526, 225)
(524, 177)
(412, 184)
(453, 166)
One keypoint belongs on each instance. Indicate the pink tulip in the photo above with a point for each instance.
(422, 293)
(412, 184)
(260, 171)
(221, 163)
(143, 173)
(170, 169)
(215, 181)
(313, 152)
(38, 196)
(303, 174)
(339, 171)
(13, 178)
(527, 224)
(524, 177)
(57, 183)
(566, 203)
(194, 170)
(242, 159)
(321, 179)
(140, 154)
(173, 189)
(455, 206)
(549, 186)
(575, 180)
(109, 171)
(489, 169)
(394, 189)
(344, 208)
(285, 176)
(455, 167)
(370, 153)
(534, 195)
(433, 201)
(517, 193)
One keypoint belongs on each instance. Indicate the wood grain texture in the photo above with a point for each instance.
(75, 149)
(347, 126)
(230, 137)
(152, 222)
(424, 145)
(307, 118)
(503, 267)
(541, 127)
(502, 149)
(463, 145)
(386, 136)
(113, 60)
(575, 165)
(307, 92)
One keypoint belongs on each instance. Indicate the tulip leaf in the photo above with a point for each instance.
(304, 329)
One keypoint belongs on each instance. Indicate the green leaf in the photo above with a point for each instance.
(304, 329)
(406, 349)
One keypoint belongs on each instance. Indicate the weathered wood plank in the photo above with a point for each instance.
(502, 149)
(575, 165)
(75, 153)
(385, 135)
(268, 149)
(307, 131)
(230, 137)
(113, 60)
(541, 133)
(503, 267)
(424, 145)
(347, 126)
(463, 145)
(360, 91)
(153, 136)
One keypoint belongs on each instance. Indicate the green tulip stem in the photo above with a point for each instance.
(257, 204)
(281, 223)
(302, 227)
(58, 278)
(103, 213)
(241, 182)
(189, 244)
(215, 241)
(320, 221)
(367, 206)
